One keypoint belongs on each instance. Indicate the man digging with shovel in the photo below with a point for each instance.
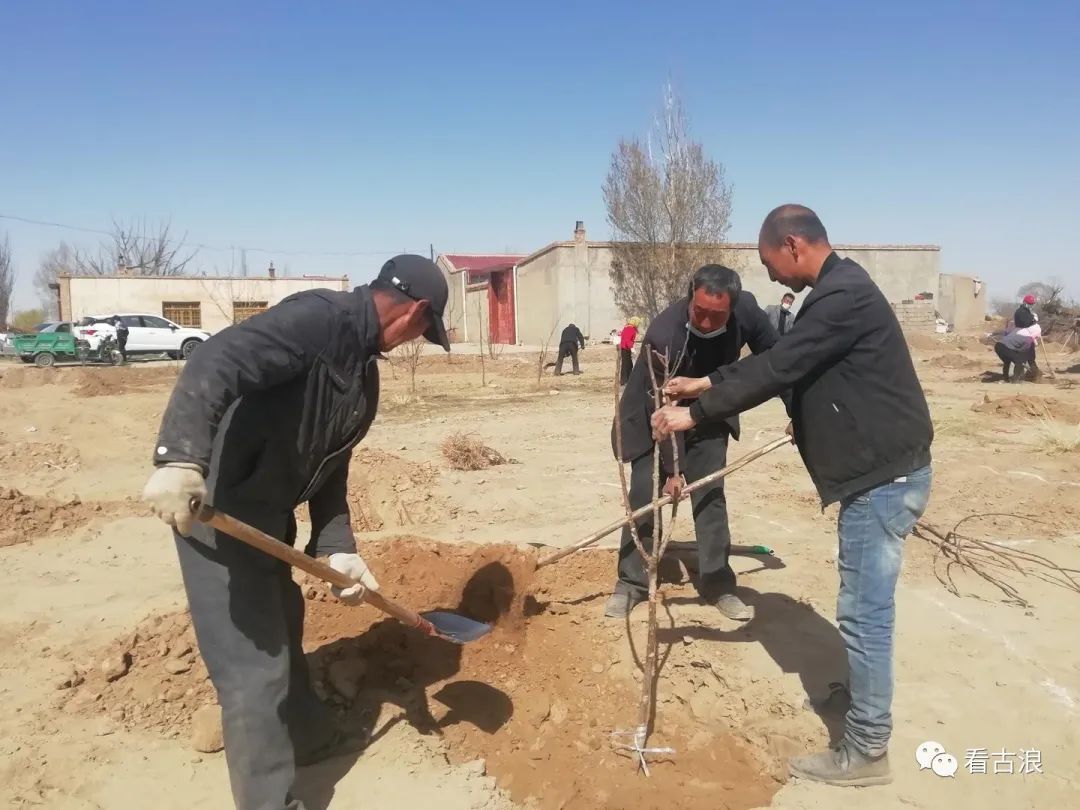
(863, 428)
(263, 418)
(697, 335)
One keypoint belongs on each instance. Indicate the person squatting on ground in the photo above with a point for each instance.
(862, 426)
(1017, 348)
(569, 341)
(263, 418)
(698, 334)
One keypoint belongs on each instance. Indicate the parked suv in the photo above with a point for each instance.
(148, 334)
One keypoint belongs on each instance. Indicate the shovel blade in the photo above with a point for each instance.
(456, 628)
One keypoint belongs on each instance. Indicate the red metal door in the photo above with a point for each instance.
(502, 328)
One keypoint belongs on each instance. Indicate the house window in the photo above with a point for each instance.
(183, 313)
(477, 277)
(242, 310)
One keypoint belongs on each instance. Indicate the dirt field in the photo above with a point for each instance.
(100, 678)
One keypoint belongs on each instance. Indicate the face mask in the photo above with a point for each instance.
(785, 306)
(706, 335)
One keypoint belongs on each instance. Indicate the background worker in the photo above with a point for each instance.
(698, 334)
(863, 428)
(780, 316)
(263, 418)
(1017, 348)
(627, 338)
(121, 336)
(569, 342)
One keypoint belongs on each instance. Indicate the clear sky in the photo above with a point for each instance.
(371, 128)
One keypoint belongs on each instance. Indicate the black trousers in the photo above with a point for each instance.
(567, 350)
(1012, 357)
(704, 454)
(121, 344)
(627, 363)
(248, 616)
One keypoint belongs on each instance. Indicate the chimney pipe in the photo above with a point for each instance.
(271, 270)
(579, 231)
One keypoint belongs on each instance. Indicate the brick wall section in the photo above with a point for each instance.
(915, 313)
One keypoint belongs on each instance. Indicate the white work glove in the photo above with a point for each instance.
(170, 490)
(352, 565)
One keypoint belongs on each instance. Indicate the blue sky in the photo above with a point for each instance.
(366, 128)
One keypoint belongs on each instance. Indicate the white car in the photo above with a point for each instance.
(148, 334)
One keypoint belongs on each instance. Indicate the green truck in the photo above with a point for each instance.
(58, 342)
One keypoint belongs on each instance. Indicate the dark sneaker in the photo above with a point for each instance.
(842, 766)
(620, 605)
(733, 607)
(837, 702)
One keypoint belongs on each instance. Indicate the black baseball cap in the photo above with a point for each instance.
(421, 280)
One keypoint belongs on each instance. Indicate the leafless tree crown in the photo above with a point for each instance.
(139, 249)
(669, 207)
(7, 280)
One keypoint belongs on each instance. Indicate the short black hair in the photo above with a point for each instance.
(792, 220)
(786, 296)
(716, 279)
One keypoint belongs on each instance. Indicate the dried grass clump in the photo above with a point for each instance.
(464, 452)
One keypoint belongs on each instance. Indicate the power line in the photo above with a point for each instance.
(201, 246)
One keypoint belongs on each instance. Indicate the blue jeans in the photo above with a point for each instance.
(872, 527)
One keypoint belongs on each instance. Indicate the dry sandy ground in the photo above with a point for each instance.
(86, 567)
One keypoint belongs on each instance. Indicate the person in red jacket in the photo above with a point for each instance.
(626, 347)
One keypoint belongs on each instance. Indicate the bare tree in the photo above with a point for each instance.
(7, 280)
(408, 355)
(669, 208)
(1047, 294)
(542, 361)
(480, 339)
(140, 249)
(1003, 307)
(61, 260)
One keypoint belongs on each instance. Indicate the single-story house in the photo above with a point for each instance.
(528, 299)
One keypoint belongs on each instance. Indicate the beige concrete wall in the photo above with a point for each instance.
(102, 295)
(538, 304)
(962, 301)
(571, 283)
(899, 273)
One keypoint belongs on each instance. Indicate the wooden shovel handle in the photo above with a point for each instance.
(298, 559)
(555, 556)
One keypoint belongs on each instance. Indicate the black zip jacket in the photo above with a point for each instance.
(304, 385)
(690, 356)
(1023, 317)
(571, 337)
(859, 413)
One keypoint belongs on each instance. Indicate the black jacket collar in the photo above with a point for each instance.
(830, 262)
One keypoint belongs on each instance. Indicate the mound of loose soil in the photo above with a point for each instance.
(388, 492)
(955, 361)
(1027, 407)
(28, 377)
(23, 518)
(538, 699)
(108, 381)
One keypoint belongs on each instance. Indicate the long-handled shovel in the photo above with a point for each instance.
(1046, 360)
(664, 501)
(438, 623)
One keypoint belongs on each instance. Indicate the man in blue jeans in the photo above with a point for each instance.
(860, 420)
